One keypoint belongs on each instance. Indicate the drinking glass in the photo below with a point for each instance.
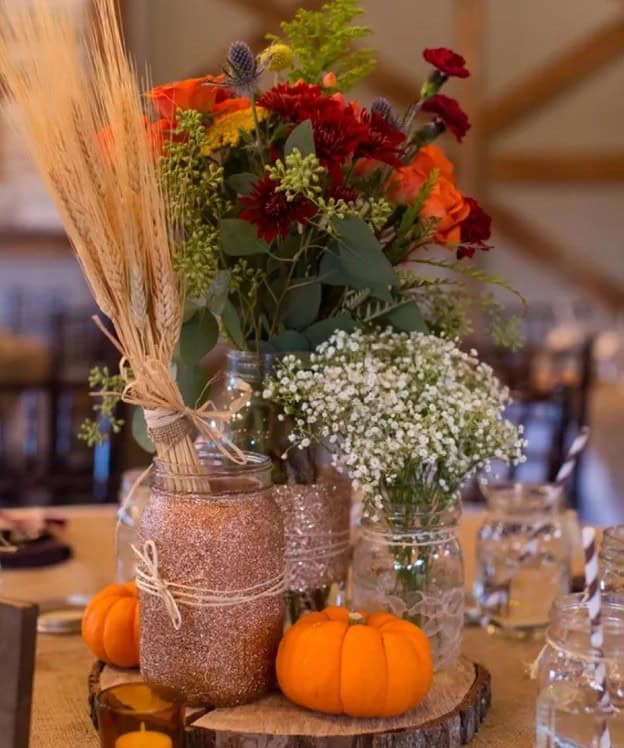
(523, 557)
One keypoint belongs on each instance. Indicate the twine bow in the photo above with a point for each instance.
(152, 387)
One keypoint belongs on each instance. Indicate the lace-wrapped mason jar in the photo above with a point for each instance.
(218, 549)
(612, 560)
(571, 710)
(523, 557)
(411, 565)
(314, 498)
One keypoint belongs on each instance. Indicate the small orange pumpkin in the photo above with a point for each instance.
(363, 665)
(110, 625)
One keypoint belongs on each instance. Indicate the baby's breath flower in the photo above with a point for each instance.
(409, 416)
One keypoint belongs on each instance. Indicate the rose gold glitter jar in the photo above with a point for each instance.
(216, 529)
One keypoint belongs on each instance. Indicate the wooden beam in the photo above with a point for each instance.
(557, 167)
(12, 240)
(557, 76)
(469, 29)
(533, 243)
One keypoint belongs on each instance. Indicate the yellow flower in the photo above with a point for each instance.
(277, 57)
(226, 130)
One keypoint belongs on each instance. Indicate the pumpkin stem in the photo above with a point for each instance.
(355, 618)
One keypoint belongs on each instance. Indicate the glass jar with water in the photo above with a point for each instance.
(573, 711)
(523, 557)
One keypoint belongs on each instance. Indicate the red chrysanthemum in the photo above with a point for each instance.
(447, 62)
(271, 212)
(383, 140)
(337, 134)
(449, 112)
(476, 229)
(293, 103)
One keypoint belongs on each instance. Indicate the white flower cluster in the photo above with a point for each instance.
(408, 416)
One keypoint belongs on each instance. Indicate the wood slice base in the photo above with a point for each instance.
(448, 718)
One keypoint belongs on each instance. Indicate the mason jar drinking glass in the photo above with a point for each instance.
(573, 709)
(523, 557)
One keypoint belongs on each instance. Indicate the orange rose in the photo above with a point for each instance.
(445, 202)
(192, 93)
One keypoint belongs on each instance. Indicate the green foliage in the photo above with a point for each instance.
(199, 335)
(239, 238)
(195, 191)
(399, 310)
(301, 139)
(298, 175)
(361, 256)
(323, 41)
(108, 388)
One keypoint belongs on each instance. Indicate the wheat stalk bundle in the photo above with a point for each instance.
(81, 109)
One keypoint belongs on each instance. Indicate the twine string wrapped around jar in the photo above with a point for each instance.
(174, 595)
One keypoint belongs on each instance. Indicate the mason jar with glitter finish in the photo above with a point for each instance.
(571, 710)
(612, 560)
(219, 538)
(523, 557)
(315, 499)
(411, 565)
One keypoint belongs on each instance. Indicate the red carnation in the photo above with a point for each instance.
(475, 230)
(447, 62)
(272, 212)
(449, 112)
(383, 140)
(293, 103)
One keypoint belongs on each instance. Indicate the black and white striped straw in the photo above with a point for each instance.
(578, 445)
(594, 605)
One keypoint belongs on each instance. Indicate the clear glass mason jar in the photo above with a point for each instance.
(128, 520)
(315, 499)
(523, 557)
(612, 560)
(218, 532)
(570, 710)
(411, 565)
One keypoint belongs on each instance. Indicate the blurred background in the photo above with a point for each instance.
(545, 156)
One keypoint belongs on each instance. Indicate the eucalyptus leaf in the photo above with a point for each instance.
(191, 380)
(139, 431)
(322, 330)
(198, 337)
(302, 139)
(217, 293)
(333, 272)
(239, 238)
(243, 183)
(232, 325)
(407, 318)
(301, 305)
(361, 255)
(290, 341)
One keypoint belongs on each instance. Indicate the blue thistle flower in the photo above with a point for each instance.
(382, 107)
(243, 70)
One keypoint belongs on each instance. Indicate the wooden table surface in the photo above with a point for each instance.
(60, 712)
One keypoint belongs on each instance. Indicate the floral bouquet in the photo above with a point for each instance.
(300, 211)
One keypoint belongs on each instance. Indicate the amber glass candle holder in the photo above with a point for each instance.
(138, 715)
